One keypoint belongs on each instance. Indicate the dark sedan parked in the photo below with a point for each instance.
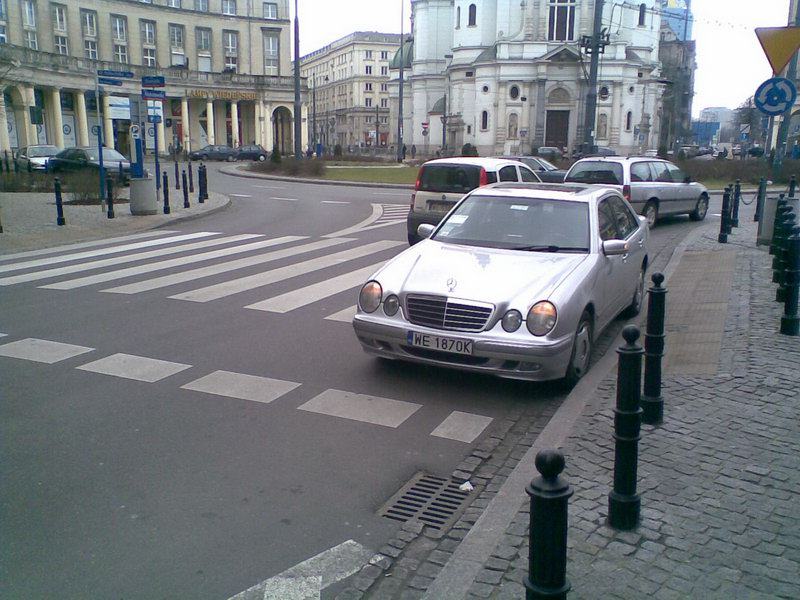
(214, 152)
(547, 171)
(252, 152)
(88, 158)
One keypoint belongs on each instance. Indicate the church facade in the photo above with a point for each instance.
(509, 76)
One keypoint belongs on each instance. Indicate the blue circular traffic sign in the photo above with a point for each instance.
(775, 96)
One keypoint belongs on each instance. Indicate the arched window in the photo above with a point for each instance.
(628, 121)
(642, 13)
(485, 120)
(458, 17)
(473, 15)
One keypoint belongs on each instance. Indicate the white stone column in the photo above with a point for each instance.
(259, 133)
(267, 136)
(616, 115)
(58, 121)
(30, 129)
(5, 142)
(81, 121)
(108, 125)
(235, 123)
(210, 122)
(186, 125)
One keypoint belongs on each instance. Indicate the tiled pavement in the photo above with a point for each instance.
(719, 480)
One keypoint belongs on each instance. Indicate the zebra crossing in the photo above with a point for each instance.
(390, 413)
(180, 265)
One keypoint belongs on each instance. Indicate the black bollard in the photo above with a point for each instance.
(30, 168)
(722, 238)
(624, 504)
(59, 206)
(652, 402)
(779, 207)
(177, 178)
(737, 197)
(790, 321)
(785, 259)
(202, 175)
(783, 223)
(185, 191)
(16, 166)
(191, 178)
(5, 157)
(110, 196)
(792, 186)
(762, 195)
(165, 188)
(547, 555)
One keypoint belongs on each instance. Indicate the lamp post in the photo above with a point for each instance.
(298, 127)
(400, 104)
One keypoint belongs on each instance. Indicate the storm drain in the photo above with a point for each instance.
(435, 501)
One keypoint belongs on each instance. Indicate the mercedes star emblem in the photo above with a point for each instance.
(451, 284)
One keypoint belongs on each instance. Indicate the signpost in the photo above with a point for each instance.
(149, 94)
(109, 81)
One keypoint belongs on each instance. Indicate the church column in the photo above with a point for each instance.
(186, 125)
(210, 122)
(5, 142)
(235, 123)
(524, 118)
(58, 121)
(81, 122)
(31, 136)
(538, 137)
(616, 116)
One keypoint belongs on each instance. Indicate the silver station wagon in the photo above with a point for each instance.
(517, 281)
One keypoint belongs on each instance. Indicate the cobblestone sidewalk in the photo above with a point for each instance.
(719, 480)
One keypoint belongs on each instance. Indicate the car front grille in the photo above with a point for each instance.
(439, 312)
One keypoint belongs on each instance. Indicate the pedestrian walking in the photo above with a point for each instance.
(404, 151)
(413, 151)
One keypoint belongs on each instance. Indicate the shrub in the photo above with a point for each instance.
(337, 151)
(275, 157)
(748, 171)
(469, 150)
(25, 182)
(291, 167)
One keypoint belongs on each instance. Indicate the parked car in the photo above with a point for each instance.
(550, 153)
(517, 281)
(443, 181)
(654, 187)
(214, 152)
(252, 152)
(578, 153)
(34, 158)
(88, 158)
(545, 170)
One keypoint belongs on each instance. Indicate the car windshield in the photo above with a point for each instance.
(456, 179)
(596, 171)
(35, 151)
(529, 224)
(548, 165)
(108, 154)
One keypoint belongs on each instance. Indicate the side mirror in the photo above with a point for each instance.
(615, 247)
(425, 230)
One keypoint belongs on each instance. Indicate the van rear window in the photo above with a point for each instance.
(596, 171)
(450, 178)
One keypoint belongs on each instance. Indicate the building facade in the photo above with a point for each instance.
(226, 65)
(509, 76)
(348, 82)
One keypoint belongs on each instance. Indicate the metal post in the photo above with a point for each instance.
(591, 94)
(762, 195)
(177, 178)
(737, 196)
(652, 402)
(59, 206)
(400, 85)
(110, 196)
(120, 173)
(185, 190)
(722, 238)
(782, 220)
(191, 178)
(782, 202)
(624, 504)
(792, 186)
(5, 157)
(298, 108)
(547, 557)
(203, 182)
(790, 321)
(97, 102)
(166, 193)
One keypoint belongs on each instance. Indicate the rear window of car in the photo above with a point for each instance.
(596, 171)
(449, 178)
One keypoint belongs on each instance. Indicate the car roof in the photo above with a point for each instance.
(620, 159)
(478, 161)
(549, 191)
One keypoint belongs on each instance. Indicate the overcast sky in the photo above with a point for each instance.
(730, 62)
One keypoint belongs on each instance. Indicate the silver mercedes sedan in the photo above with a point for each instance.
(516, 281)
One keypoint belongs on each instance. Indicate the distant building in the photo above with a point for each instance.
(717, 114)
(348, 80)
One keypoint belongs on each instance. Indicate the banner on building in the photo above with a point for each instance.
(119, 107)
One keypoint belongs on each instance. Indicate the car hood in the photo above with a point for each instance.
(477, 273)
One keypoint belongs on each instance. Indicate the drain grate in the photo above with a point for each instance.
(432, 500)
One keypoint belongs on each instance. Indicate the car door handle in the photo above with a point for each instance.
(641, 243)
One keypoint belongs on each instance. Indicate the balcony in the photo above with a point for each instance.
(21, 57)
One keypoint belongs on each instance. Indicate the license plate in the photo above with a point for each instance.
(440, 206)
(436, 342)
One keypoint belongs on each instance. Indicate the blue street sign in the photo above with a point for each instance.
(154, 94)
(153, 81)
(154, 118)
(775, 96)
(113, 73)
(107, 81)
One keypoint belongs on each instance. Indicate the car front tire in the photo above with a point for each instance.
(635, 307)
(650, 212)
(700, 211)
(261, 158)
(581, 356)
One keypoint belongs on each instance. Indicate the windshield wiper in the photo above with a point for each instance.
(552, 248)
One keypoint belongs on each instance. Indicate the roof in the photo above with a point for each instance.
(439, 106)
(408, 55)
(489, 54)
(549, 191)
(619, 159)
(478, 161)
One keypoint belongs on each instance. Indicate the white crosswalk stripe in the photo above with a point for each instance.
(241, 386)
(80, 245)
(343, 316)
(360, 407)
(43, 351)
(129, 366)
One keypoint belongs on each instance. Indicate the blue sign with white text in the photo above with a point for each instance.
(154, 94)
(153, 81)
(113, 73)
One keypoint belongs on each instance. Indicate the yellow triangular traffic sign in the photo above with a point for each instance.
(779, 44)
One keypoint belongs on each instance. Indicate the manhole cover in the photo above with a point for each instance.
(432, 500)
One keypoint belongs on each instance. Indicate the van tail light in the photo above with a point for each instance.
(418, 184)
(484, 178)
(626, 192)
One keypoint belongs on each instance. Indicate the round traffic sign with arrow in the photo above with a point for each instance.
(775, 96)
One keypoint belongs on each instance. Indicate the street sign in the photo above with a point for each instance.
(154, 118)
(425, 132)
(154, 94)
(113, 73)
(108, 81)
(779, 44)
(153, 81)
(135, 133)
(775, 96)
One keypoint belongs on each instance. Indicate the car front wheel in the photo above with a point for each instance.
(650, 212)
(635, 307)
(581, 351)
(699, 212)
(261, 158)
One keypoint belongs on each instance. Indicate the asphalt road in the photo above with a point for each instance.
(120, 483)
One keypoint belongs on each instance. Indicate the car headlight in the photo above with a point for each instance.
(541, 318)
(391, 305)
(370, 297)
(512, 320)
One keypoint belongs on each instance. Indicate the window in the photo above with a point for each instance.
(60, 43)
(384, 87)
(384, 120)
(228, 7)
(119, 28)
(3, 36)
(231, 63)
(513, 92)
(508, 174)
(270, 10)
(384, 71)
(640, 172)
(31, 41)
(367, 87)
(384, 55)
(201, 5)
(28, 13)
(627, 223)
(368, 102)
(628, 121)
(59, 17)
(605, 218)
(270, 54)
(90, 49)
(148, 30)
(89, 23)
(485, 120)
(458, 17)
(369, 69)
(384, 103)
(642, 13)
(121, 53)
(149, 57)
(562, 20)
(176, 36)
(368, 54)
(202, 35)
(528, 176)
(473, 15)
(676, 175)
(367, 120)
(2, 9)
(604, 93)
(660, 172)
(174, 3)
(230, 42)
